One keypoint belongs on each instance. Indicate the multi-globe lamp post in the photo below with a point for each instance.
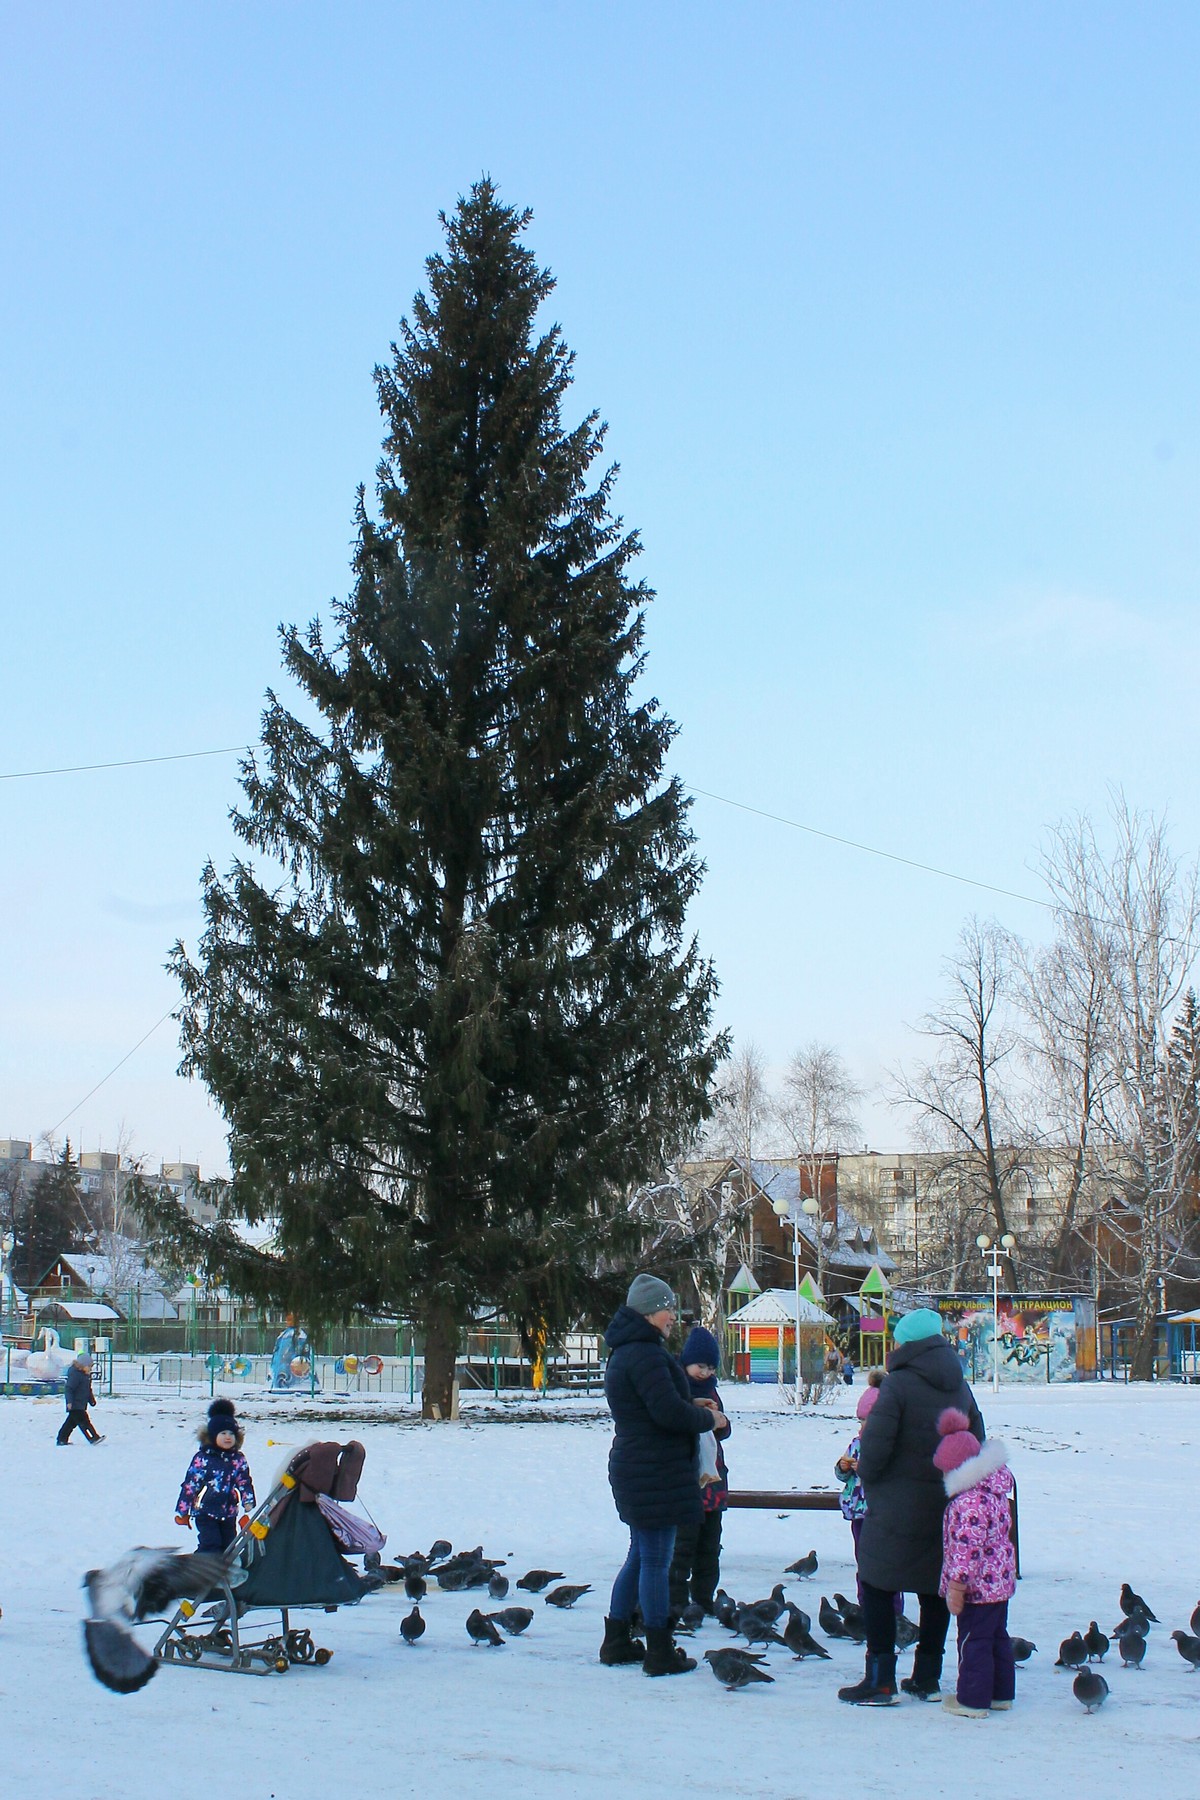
(994, 1255)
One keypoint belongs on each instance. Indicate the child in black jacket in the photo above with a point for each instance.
(696, 1564)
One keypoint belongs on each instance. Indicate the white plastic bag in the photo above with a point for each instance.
(708, 1458)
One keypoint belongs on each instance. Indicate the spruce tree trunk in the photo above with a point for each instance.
(441, 1355)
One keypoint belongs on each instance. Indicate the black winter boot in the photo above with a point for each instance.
(877, 1687)
(922, 1684)
(620, 1645)
(663, 1655)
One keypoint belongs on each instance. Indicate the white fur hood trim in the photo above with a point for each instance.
(992, 1456)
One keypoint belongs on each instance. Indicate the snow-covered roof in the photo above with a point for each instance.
(777, 1306)
(76, 1309)
(852, 1247)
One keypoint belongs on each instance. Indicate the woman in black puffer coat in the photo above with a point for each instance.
(652, 1470)
(900, 1547)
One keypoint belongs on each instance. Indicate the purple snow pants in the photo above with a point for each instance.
(986, 1669)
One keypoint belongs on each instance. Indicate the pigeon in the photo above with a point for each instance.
(831, 1623)
(481, 1630)
(415, 1586)
(452, 1581)
(513, 1619)
(416, 1564)
(735, 1670)
(1131, 1603)
(537, 1579)
(412, 1625)
(755, 1629)
(727, 1613)
(1194, 1623)
(1134, 1621)
(692, 1617)
(804, 1565)
(497, 1585)
(849, 1609)
(1022, 1649)
(1097, 1643)
(800, 1641)
(143, 1583)
(437, 1551)
(798, 1614)
(1090, 1689)
(1072, 1652)
(906, 1632)
(1132, 1645)
(1188, 1648)
(770, 1608)
(567, 1596)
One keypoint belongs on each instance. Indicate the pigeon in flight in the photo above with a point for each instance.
(1188, 1648)
(567, 1596)
(1097, 1643)
(1132, 1646)
(1072, 1652)
(1131, 1603)
(142, 1584)
(1090, 1689)
(513, 1619)
(481, 1630)
(537, 1579)
(804, 1565)
(735, 1669)
(412, 1625)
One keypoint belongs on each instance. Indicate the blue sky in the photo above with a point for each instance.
(891, 310)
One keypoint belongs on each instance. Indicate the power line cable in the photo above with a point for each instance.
(112, 1071)
(871, 850)
(133, 762)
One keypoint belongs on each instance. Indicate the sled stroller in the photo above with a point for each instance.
(291, 1556)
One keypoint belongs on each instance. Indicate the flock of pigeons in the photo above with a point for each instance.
(455, 1572)
(145, 1582)
(1132, 1632)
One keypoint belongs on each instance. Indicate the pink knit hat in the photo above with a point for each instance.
(866, 1401)
(959, 1443)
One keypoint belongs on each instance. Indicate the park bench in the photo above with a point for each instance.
(826, 1500)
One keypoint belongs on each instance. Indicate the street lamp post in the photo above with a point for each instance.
(994, 1255)
(782, 1210)
(6, 1249)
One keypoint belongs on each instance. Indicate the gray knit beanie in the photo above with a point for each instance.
(649, 1294)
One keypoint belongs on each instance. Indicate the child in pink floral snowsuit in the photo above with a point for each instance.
(979, 1572)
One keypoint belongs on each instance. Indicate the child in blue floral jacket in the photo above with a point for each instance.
(217, 1487)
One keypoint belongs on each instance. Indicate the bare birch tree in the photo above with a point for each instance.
(1138, 910)
(966, 1102)
(818, 1112)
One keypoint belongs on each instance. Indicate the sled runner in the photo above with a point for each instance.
(291, 1557)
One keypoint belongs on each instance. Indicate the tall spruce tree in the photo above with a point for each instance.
(49, 1218)
(469, 1019)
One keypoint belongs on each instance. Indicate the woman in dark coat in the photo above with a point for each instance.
(652, 1469)
(900, 1548)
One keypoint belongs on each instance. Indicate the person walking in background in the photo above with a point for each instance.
(652, 1470)
(217, 1486)
(979, 1566)
(696, 1564)
(79, 1396)
(900, 1545)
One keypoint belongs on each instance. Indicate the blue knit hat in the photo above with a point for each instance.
(700, 1346)
(923, 1323)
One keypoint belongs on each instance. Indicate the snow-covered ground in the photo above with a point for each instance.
(1108, 1476)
